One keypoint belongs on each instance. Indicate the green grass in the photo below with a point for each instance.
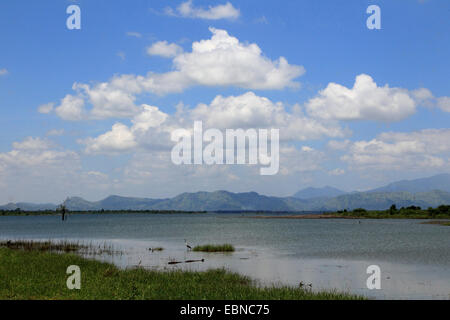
(214, 248)
(61, 247)
(412, 212)
(42, 275)
(29, 245)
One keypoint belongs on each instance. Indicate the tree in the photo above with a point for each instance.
(393, 209)
(63, 209)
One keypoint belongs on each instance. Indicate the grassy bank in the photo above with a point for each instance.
(412, 212)
(214, 248)
(63, 246)
(42, 275)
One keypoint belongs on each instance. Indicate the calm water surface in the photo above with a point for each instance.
(330, 254)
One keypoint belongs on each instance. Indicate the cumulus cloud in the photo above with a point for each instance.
(122, 138)
(425, 149)
(338, 144)
(224, 61)
(422, 95)
(365, 101)
(152, 127)
(444, 103)
(293, 160)
(426, 98)
(71, 108)
(38, 170)
(164, 49)
(246, 111)
(368, 101)
(46, 108)
(110, 100)
(220, 61)
(33, 153)
(188, 10)
(150, 117)
(31, 143)
(3, 72)
(251, 111)
(148, 168)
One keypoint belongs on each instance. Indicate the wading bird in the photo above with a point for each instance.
(187, 246)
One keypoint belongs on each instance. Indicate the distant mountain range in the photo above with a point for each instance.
(439, 182)
(428, 192)
(325, 192)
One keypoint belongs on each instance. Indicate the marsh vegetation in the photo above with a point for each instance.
(214, 248)
(37, 274)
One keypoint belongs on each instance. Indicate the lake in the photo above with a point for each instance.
(329, 254)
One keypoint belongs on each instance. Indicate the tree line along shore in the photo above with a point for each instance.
(411, 212)
(20, 212)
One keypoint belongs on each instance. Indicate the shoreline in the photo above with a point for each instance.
(305, 216)
(335, 216)
(37, 275)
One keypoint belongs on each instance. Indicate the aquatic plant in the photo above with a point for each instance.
(214, 248)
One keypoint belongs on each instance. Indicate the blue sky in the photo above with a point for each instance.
(345, 138)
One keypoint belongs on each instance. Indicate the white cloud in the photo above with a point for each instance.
(148, 168)
(338, 144)
(425, 149)
(426, 98)
(71, 108)
(164, 49)
(55, 132)
(365, 101)
(122, 138)
(293, 160)
(114, 99)
(444, 103)
(37, 170)
(119, 139)
(246, 111)
(422, 95)
(31, 143)
(134, 34)
(33, 153)
(224, 61)
(219, 61)
(251, 111)
(151, 128)
(188, 10)
(110, 100)
(3, 72)
(46, 108)
(150, 117)
(25, 159)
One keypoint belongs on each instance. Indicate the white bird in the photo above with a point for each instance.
(187, 246)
